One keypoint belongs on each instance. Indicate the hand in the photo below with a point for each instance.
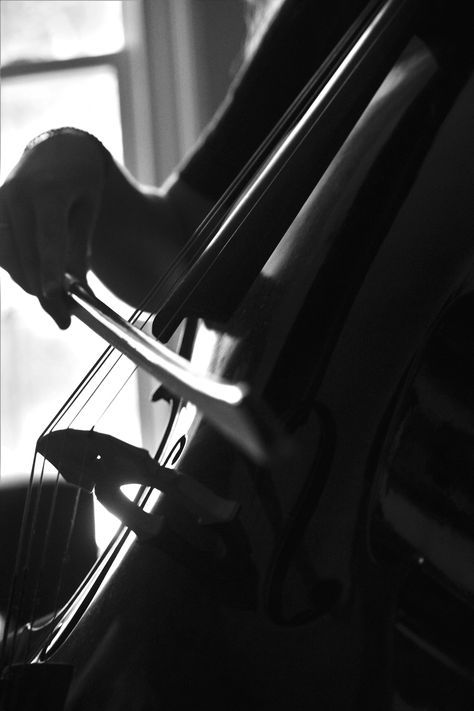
(49, 206)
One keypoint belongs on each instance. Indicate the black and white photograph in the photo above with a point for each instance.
(236, 355)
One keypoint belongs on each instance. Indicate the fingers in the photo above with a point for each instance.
(51, 231)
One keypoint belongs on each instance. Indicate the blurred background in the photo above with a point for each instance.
(144, 76)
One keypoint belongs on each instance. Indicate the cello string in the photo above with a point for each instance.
(62, 567)
(38, 578)
(120, 389)
(94, 370)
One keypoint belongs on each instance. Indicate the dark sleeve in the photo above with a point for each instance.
(297, 41)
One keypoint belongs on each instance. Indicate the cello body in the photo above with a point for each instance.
(334, 575)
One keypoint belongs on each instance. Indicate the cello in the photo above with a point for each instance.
(314, 522)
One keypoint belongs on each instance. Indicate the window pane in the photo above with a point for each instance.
(59, 29)
(84, 98)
